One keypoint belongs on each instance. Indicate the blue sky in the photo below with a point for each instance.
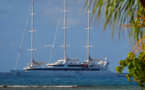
(13, 14)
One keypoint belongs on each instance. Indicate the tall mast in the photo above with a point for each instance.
(88, 28)
(32, 32)
(88, 11)
(65, 15)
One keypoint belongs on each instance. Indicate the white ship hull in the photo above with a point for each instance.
(62, 73)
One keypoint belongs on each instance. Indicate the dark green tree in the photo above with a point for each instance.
(136, 67)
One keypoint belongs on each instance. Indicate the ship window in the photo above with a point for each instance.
(57, 65)
(74, 65)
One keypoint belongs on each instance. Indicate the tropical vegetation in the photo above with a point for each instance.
(118, 12)
(128, 14)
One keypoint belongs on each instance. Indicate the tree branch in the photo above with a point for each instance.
(143, 3)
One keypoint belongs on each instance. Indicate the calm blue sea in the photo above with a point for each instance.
(65, 83)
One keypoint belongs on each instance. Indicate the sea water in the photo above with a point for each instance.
(65, 83)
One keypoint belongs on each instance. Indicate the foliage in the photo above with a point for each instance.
(140, 44)
(118, 12)
(136, 67)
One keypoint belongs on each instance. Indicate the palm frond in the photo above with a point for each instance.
(119, 12)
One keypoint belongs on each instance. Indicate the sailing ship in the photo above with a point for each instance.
(66, 67)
